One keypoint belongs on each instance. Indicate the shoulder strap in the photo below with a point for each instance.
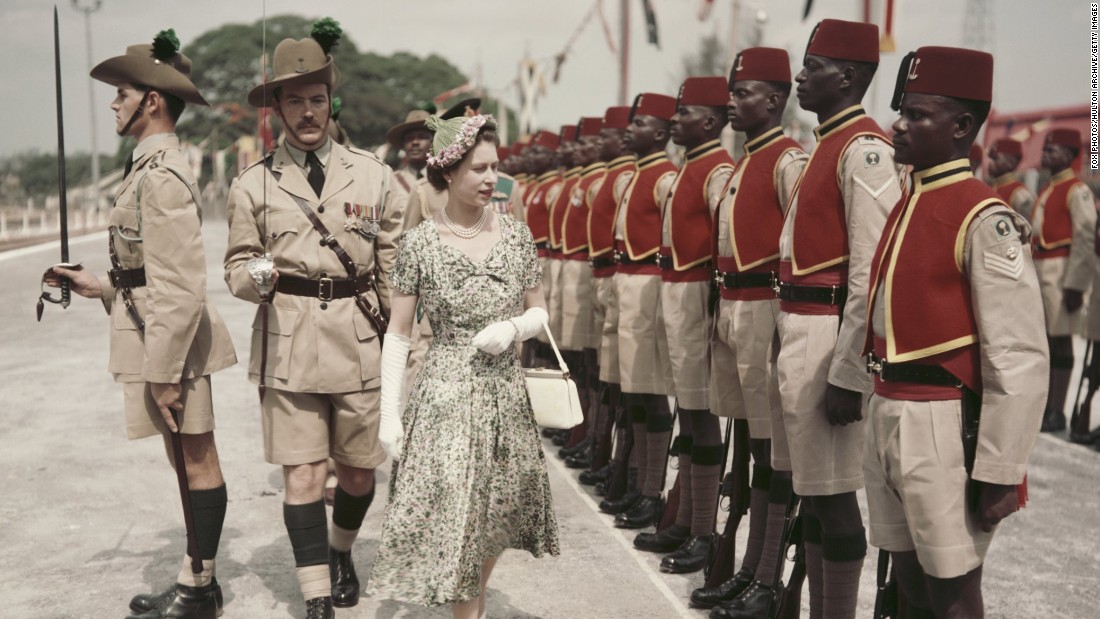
(326, 236)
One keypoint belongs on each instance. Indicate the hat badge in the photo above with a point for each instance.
(301, 66)
(913, 68)
(740, 63)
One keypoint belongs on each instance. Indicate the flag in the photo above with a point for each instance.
(650, 23)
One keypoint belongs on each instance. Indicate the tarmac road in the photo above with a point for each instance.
(89, 518)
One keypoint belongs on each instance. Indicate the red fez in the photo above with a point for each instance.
(1008, 146)
(590, 125)
(568, 133)
(1070, 138)
(844, 40)
(765, 64)
(617, 117)
(651, 104)
(546, 139)
(503, 152)
(946, 71)
(704, 91)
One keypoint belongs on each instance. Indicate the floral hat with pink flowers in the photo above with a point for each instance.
(455, 136)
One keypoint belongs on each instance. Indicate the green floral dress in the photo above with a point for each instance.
(472, 477)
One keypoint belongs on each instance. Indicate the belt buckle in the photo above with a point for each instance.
(875, 365)
(617, 256)
(719, 280)
(832, 294)
(113, 276)
(321, 284)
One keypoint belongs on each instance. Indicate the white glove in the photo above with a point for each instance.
(395, 354)
(499, 336)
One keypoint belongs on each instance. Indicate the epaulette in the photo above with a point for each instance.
(270, 156)
(365, 153)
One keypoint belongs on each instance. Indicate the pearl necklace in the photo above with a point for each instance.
(465, 233)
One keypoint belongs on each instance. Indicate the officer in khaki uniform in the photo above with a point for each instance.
(832, 226)
(953, 268)
(643, 347)
(1064, 224)
(746, 249)
(315, 352)
(166, 339)
(1004, 158)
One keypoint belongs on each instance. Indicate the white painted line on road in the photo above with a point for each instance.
(672, 598)
(34, 249)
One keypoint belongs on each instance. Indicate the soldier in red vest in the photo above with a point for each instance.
(832, 226)
(579, 339)
(952, 269)
(746, 247)
(646, 379)
(608, 192)
(1004, 158)
(544, 186)
(1064, 224)
(686, 273)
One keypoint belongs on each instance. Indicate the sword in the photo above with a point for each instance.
(66, 294)
(185, 497)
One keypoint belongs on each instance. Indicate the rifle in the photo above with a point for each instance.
(619, 479)
(788, 600)
(886, 599)
(672, 499)
(63, 206)
(735, 487)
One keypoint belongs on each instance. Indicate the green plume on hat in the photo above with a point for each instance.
(166, 44)
(337, 105)
(327, 33)
(429, 107)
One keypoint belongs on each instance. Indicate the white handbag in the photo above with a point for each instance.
(553, 393)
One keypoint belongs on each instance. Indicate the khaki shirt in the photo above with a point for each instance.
(424, 203)
(314, 346)
(1004, 289)
(870, 192)
(184, 336)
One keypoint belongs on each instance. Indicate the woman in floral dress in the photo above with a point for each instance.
(470, 479)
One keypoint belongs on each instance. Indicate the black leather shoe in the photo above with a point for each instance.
(617, 507)
(583, 460)
(345, 584)
(643, 514)
(560, 438)
(591, 478)
(752, 604)
(580, 447)
(320, 608)
(689, 557)
(549, 432)
(1053, 422)
(145, 602)
(1087, 438)
(184, 603)
(664, 541)
(725, 592)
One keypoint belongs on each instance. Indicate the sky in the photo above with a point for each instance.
(1041, 49)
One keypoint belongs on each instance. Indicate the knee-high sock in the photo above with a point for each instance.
(706, 468)
(811, 535)
(208, 510)
(657, 434)
(347, 516)
(842, 564)
(307, 528)
(778, 496)
(758, 518)
(638, 453)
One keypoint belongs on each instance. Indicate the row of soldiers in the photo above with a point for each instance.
(798, 294)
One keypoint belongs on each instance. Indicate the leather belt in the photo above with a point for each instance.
(622, 257)
(325, 288)
(731, 281)
(127, 278)
(829, 295)
(665, 262)
(916, 373)
(602, 261)
(542, 245)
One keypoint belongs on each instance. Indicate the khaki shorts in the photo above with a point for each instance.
(1059, 322)
(552, 274)
(687, 326)
(741, 375)
(300, 428)
(576, 305)
(643, 347)
(607, 309)
(824, 459)
(916, 486)
(143, 417)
